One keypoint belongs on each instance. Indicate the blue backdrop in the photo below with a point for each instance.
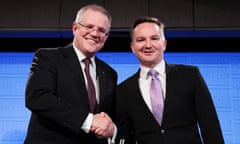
(220, 70)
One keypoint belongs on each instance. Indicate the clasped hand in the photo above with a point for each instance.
(102, 125)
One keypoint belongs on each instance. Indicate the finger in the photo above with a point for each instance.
(103, 114)
(99, 132)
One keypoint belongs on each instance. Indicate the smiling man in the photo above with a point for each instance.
(70, 92)
(163, 103)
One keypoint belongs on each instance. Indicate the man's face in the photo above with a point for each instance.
(148, 44)
(91, 32)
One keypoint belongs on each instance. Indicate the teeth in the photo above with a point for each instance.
(90, 40)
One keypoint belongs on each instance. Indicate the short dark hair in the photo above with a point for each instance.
(147, 19)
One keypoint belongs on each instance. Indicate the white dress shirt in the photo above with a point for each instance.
(92, 68)
(86, 126)
(145, 80)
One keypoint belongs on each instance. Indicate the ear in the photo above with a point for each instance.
(165, 45)
(74, 28)
(106, 36)
(132, 47)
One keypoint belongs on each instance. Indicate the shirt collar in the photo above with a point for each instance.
(80, 55)
(160, 68)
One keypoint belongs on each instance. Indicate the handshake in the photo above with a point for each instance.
(102, 125)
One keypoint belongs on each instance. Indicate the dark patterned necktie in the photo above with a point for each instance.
(91, 89)
(156, 95)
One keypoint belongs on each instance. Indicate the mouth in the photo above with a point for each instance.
(91, 40)
(148, 52)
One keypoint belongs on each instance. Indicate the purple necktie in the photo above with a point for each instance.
(156, 95)
(91, 89)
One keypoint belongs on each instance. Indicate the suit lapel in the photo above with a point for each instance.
(73, 66)
(170, 86)
(136, 88)
(139, 98)
(102, 79)
(72, 63)
(170, 89)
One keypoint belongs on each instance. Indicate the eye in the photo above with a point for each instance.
(101, 30)
(155, 38)
(89, 27)
(140, 39)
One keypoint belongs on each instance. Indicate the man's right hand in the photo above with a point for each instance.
(102, 125)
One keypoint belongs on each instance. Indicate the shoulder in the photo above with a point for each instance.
(51, 55)
(49, 51)
(182, 71)
(53, 52)
(181, 67)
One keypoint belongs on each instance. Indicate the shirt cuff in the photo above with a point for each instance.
(112, 139)
(86, 126)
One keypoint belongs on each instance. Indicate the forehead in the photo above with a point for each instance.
(146, 28)
(91, 16)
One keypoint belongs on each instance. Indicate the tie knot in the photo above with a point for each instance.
(153, 73)
(87, 61)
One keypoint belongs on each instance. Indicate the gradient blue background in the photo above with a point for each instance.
(220, 70)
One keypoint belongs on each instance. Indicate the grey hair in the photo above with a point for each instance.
(94, 7)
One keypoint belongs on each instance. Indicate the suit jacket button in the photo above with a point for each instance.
(162, 131)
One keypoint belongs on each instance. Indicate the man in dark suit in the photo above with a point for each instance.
(57, 88)
(187, 105)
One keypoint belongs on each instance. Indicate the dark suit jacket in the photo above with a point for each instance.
(57, 97)
(188, 103)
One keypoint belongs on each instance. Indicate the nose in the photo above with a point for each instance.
(148, 43)
(94, 31)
